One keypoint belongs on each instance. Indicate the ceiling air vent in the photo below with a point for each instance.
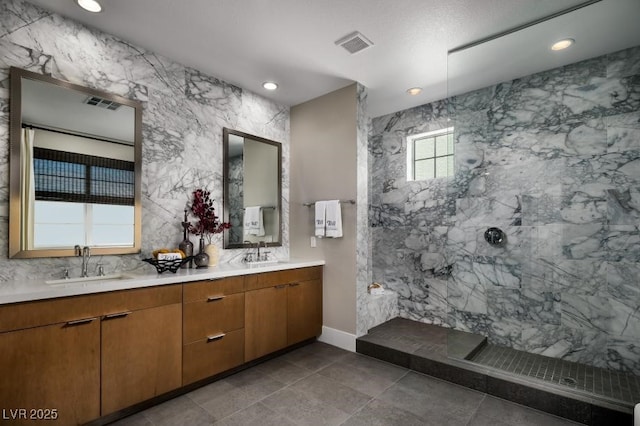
(354, 42)
(102, 103)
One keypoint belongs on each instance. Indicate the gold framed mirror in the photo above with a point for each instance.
(75, 169)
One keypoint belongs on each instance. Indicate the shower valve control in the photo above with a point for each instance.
(495, 236)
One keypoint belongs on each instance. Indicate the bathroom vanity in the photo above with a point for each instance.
(74, 353)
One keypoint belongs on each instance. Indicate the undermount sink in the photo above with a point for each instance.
(262, 262)
(83, 280)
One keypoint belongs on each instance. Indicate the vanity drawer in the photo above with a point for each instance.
(206, 358)
(52, 311)
(202, 290)
(216, 314)
(269, 279)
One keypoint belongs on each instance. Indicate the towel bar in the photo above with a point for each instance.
(341, 201)
(267, 207)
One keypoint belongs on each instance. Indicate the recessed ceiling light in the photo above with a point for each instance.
(562, 44)
(269, 85)
(414, 91)
(90, 5)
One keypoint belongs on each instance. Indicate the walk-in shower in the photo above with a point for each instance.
(552, 160)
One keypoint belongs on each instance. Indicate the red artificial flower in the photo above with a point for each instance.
(208, 223)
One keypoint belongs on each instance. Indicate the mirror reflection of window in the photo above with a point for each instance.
(82, 195)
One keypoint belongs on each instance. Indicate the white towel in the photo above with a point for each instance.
(253, 221)
(321, 208)
(334, 219)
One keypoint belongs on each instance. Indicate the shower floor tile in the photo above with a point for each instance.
(595, 396)
(607, 383)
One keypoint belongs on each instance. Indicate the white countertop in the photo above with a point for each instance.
(23, 291)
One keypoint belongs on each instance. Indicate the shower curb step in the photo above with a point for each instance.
(396, 342)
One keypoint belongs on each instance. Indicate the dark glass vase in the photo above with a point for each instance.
(201, 259)
(186, 246)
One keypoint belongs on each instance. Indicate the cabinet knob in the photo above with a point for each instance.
(215, 337)
(294, 284)
(214, 298)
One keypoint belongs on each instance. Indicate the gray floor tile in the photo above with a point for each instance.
(255, 384)
(331, 392)
(364, 374)
(430, 398)
(283, 371)
(220, 399)
(349, 389)
(498, 412)
(256, 415)
(135, 420)
(303, 409)
(315, 356)
(379, 413)
(177, 412)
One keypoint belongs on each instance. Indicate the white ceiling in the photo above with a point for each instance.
(292, 41)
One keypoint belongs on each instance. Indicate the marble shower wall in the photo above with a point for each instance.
(553, 159)
(184, 113)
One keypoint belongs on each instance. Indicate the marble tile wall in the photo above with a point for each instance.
(553, 159)
(184, 113)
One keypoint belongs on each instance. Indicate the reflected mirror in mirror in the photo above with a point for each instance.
(252, 190)
(75, 169)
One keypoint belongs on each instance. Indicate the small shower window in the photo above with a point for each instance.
(430, 155)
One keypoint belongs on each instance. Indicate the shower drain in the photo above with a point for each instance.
(569, 381)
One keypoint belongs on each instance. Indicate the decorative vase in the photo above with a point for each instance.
(186, 246)
(212, 252)
(201, 259)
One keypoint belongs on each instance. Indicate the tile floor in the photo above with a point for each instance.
(322, 385)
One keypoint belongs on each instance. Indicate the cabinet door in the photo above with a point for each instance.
(141, 355)
(265, 321)
(55, 367)
(304, 311)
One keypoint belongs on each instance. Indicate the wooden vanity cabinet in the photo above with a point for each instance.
(52, 372)
(87, 356)
(213, 327)
(282, 308)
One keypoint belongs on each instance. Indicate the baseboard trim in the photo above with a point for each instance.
(339, 338)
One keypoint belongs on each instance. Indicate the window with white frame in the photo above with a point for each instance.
(82, 199)
(430, 155)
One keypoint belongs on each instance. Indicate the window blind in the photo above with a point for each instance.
(73, 177)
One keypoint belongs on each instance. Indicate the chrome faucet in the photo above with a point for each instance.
(85, 252)
(249, 256)
(264, 243)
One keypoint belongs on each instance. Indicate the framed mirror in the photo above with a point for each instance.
(75, 169)
(252, 189)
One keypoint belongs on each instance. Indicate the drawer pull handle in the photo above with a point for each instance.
(215, 337)
(281, 286)
(80, 321)
(294, 284)
(214, 298)
(118, 315)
